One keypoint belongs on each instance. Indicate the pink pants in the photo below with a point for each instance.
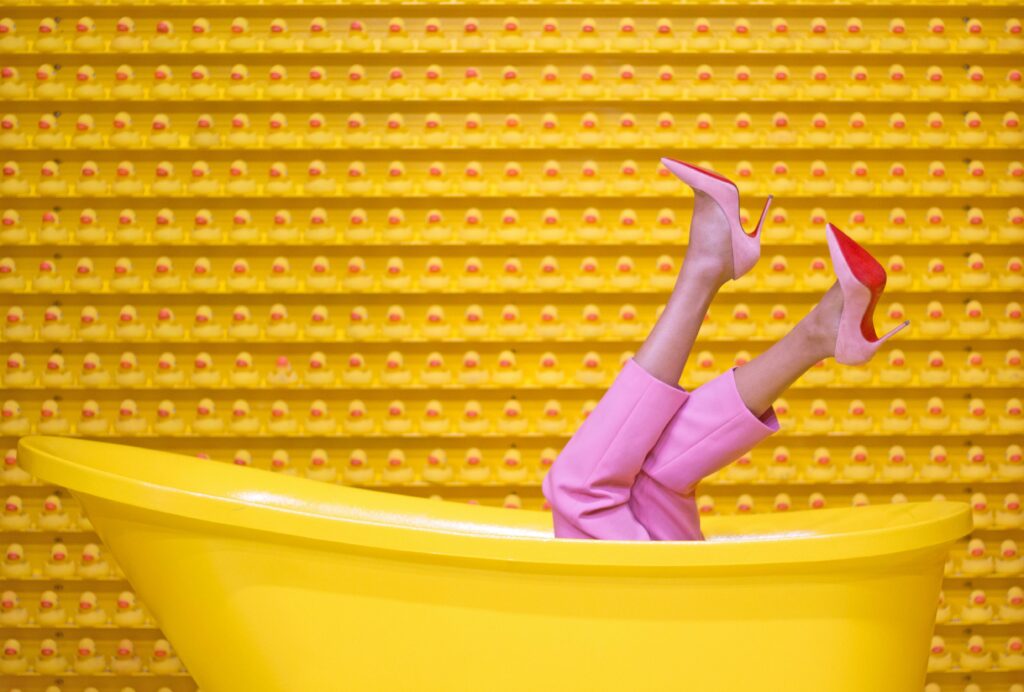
(631, 470)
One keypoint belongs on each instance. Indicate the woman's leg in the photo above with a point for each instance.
(762, 380)
(589, 484)
(723, 419)
(708, 265)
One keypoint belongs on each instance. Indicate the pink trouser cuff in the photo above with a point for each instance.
(710, 432)
(589, 483)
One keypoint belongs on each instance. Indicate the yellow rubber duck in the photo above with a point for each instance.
(552, 421)
(87, 661)
(357, 373)
(857, 419)
(474, 469)
(52, 516)
(973, 229)
(898, 419)
(436, 373)
(508, 371)
(976, 656)
(473, 421)
(940, 658)
(396, 422)
(590, 371)
(1009, 515)
(14, 517)
(982, 512)
(897, 468)
(163, 660)
(12, 613)
(434, 420)
(512, 421)
(1011, 372)
(937, 467)
(935, 418)
(705, 368)
(18, 374)
(896, 371)
(50, 661)
(974, 371)
(779, 276)
(549, 372)
(741, 326)
(396, 470)
(436, 468)
(359, 471)
(124, 661)
(935, 40)
(319, 420)
(976, 610)
(974, 275)
(1011, 420)
(58, 565)
(821, 469)
(974, 322)
(976, 465)
(819, 420)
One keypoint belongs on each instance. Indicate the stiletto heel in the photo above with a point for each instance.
(746, 247)
(862, 280)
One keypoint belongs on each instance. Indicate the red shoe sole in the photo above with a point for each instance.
(869, 272)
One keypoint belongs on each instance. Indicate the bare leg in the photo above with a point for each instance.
(708, 265)
(762, 380)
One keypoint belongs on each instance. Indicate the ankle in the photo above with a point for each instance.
(817, 334)
(704, 273)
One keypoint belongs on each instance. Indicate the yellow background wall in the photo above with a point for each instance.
(505, 241)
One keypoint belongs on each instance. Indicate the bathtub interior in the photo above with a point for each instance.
(262, 500)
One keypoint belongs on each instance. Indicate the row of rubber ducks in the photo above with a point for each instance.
(936, 687)
(508, 35)
(546, 131)
(50, 612)
(222, 83)
(933, 418)
(479, 226)
(59, 563)
(899, 465)
(395, 324)
(88, 660)
(429, 179)
(276, 275)
(977, 608)
(780, 465)
(924, 371)
(435, 469)
(51, 516)
(975, 656)
(477, 469)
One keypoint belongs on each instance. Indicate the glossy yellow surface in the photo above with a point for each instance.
(377, 590)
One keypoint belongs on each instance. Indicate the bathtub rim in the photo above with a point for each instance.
(406, 524)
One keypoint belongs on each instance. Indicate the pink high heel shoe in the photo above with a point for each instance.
(862, 279)
(746, 247)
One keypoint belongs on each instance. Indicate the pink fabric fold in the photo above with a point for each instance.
(631, 469)
(588, 485)
(711, 431)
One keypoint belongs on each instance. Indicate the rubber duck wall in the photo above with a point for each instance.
(408, 249)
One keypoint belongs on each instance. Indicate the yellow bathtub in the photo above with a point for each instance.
(271, 583)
